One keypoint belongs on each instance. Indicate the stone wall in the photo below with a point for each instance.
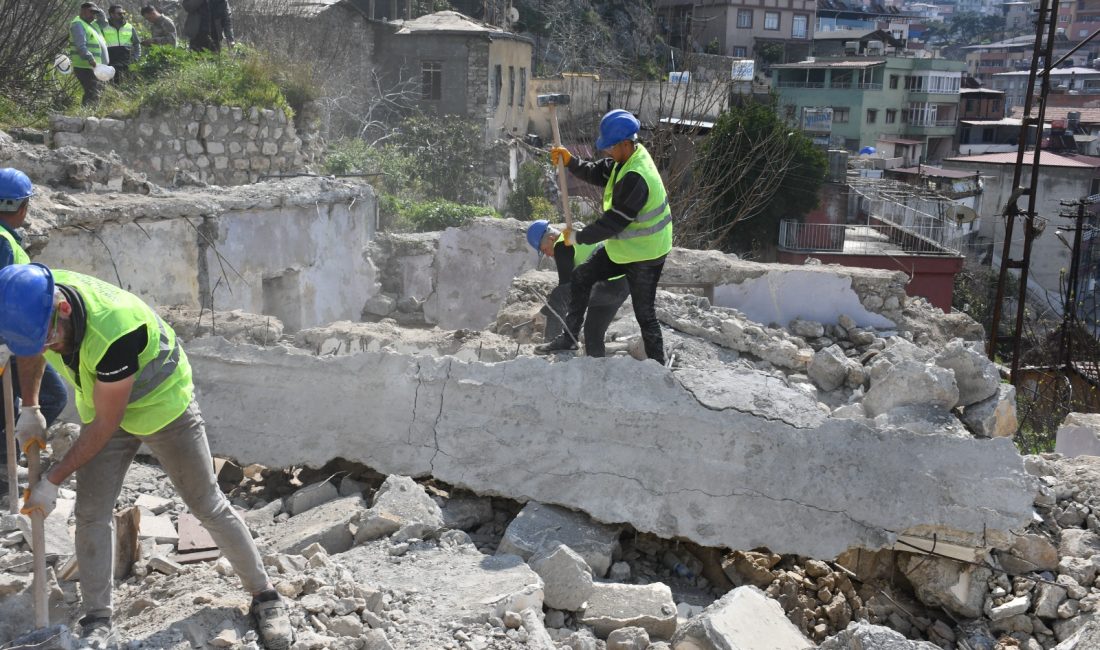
(219, 145)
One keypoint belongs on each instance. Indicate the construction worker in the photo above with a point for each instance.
(123, 44)
(607, 295)
(636, 228)
(16, 191)
(87, 49)
(133, 386)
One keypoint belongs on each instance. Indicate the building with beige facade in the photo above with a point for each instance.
(740, 27)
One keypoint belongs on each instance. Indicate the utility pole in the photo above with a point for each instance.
(1069, 309)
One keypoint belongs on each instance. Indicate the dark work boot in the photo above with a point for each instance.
(563, 343)
(272, 622)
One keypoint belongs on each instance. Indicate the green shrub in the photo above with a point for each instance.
(354, 155)
(167, 77)
(426, 216)
(530, 185)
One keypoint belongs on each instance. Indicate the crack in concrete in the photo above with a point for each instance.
(743, 411)
(439, 416)
(416, 402)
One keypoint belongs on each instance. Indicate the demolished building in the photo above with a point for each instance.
(811, 412)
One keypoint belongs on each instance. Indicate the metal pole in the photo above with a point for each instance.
(1069, 318)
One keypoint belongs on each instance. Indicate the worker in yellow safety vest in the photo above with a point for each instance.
(636, 228)
(123, 43)
(133, 385)
(87, 49)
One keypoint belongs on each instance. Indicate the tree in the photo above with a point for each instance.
(35, 31)
(450, 156)
(750, 172)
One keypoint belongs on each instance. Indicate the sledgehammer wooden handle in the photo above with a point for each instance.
(38, 546)
(9, 427)
(561, 171)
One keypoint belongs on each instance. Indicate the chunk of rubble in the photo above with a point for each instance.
(830, 368)
(538, 525)
(406, 500)
(865, 636)
(741, 620)
(994, 417)
(1029, 552)
(975, 375)
(613, 606)
(1079, 435)
(466, 512)
(807, 329)
(566, 576)
(922, 419)
(1085, 638)
(311, 496)
(910, 383)
(328, 525)
(628, 638)
(897, 350)
(939, 582)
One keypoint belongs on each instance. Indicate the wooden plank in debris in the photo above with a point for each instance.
(193, 537)
(197, 556)
(127, 549)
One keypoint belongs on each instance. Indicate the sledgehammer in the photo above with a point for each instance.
(553, 101)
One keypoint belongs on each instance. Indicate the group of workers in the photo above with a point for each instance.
(98, 39)
(132, 381)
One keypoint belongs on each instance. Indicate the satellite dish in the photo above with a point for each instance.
(513, 15)
(961, 214)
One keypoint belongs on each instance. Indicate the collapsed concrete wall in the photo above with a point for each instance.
(221, 145)
(291, 249)
(460, 277)
(723, 457)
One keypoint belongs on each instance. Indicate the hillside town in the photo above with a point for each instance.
(550, 324)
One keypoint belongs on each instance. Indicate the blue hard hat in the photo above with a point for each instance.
(616, 126)
(535, 232)
(15, 187)
(26, 302)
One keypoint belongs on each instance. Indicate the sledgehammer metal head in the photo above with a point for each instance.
(552, 100)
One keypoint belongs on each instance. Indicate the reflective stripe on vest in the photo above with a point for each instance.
(19, 256)
(118, 36)
(649, 237)
(91, 38)
(584, 252)
(162, 387)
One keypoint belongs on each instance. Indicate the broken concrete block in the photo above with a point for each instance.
(466, 512)
(1079, 435)
(922, 419)
(154, 504)
(375, 525)
(538, 525)
(566, 577)
(159, 528)
(446, 418)
(612, 606)
(1076, 542)
(975, 375)
(311, 496)
(994, 417)
(861, 634)
(909, 383)
(350, 487)
(376, 640)
(1084, 637)
(628, 638)
(380, 305)
(1010, 608)
(945, 583)
(1048, 598)
(404, 498)
(897, 350)
(1029, 552)
(164, 565)
(829, 368)
(750, 567)
(741, 620)
(11, 584)
(807, 329)
(327, 524)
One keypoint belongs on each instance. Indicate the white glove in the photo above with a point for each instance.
(41, 498)
(31, 428)
(5, 356)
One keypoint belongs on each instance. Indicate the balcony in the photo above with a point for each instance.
(869, 86)
(876, 238)
(801, 84)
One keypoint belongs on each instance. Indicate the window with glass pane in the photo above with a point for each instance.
(771, 20)
(431, 80)
(798, 26)
(744, 18)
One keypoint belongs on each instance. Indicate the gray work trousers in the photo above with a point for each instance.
(183, 452)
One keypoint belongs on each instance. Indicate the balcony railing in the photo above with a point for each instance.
(801, 84)
(870, 86)
(950, 123)
(875, 239)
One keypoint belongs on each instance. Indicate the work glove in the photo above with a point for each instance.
(30, 430)
(560, 155)
(5, 356)
(568, 238)
(41, 498)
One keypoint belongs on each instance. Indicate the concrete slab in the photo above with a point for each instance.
(860, 634)
(566, 576)
(327, 525)
(743, 619)
(159, 528)
(613, 606)
(1079, 435)
(311, 496)
(407, 501)
(612, 442)
(539, 525)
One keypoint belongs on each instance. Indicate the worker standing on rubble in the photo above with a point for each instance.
(133, 386)
(16, 191)
(636, 227)
(607, 295)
